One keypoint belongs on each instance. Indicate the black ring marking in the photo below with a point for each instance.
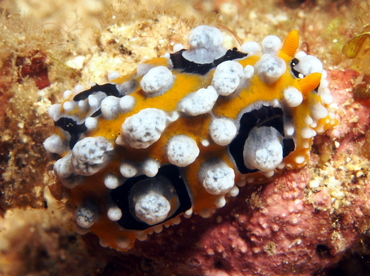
(109, 88)
(265, 116)
(186, 66)
(293, 63)
(121, 197)
(72, 128)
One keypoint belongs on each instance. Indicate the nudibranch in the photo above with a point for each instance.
(182, 132)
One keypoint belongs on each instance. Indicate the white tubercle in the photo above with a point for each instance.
(55, 144)
(83, 105)
(216, 177)
(227, 77)
(69, 106)
(114, 213)
(86, 215)
(205, 45)
(152, 208)
(248, 72)
(177, 47)
(126, 103)
(182, 150)
(222, 131)
(111, 181)
(263, 149)
(293, 97)
(157, 81)
(91, 154)
(67, 94)
(150, 167)
(143, 128)
(91, 123)
(113, 75)
(54, 111)
(251, 48)
(271, 44)
(63, 166)
(199, 102)
(318, 111)
(270, 68)
(309, 64)
(95, 100)
(127, 169)
(110, 107)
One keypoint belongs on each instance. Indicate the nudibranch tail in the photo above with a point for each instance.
(181, 133)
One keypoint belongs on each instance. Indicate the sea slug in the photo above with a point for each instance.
(182, 132)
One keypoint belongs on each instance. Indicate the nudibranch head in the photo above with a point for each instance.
(179, 134)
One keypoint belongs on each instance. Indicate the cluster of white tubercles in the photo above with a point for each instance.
(307, 65)
(148, 167)
(128, 169)
(270, 67)
(263, 149)
(89, 155)
(112, 106)
(228, 78)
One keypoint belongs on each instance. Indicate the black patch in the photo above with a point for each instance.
(186, 66)
(265, 116)
(72, 128)
(293, 63)
(121, 197)
(109, 88)
(288, 146)
(96, 113)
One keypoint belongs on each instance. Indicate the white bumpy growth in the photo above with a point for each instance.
(205, 45)
(182, 150)
(222, 131)
(143, 128)
(157, 81)
(91, 154)
(217, 177)
(199, 102)
(263, 149)
(227, 77)
(270, 68)
(153, 200)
